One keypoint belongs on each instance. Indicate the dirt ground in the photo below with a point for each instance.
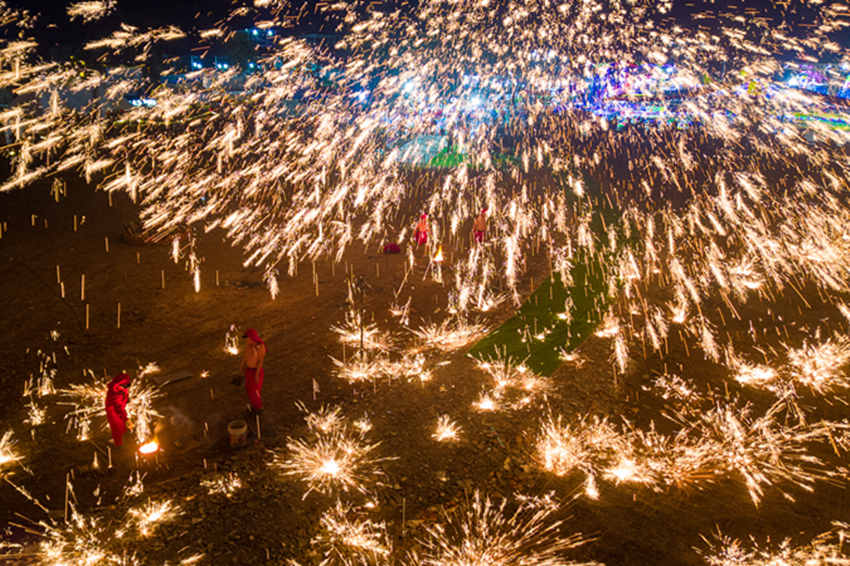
(269, 521)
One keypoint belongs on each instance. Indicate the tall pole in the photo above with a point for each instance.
(361, 291)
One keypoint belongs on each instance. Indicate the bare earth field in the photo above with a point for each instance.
(269, 520)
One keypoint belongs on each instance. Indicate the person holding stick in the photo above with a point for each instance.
(117, 397)
(480, 226)
(252, 368)
(421, 233)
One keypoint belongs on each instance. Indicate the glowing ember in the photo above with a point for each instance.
(90, 10)
(148, 516)
(350, 334)
(329, 467)
(487, 532)
(438, 258)
(625, 471)
(590, 488)
(825, 550)
(727, 441)
(755, 375)
(447, 430)
(231, 340)
(347, 538)
(335, 457)
(7, 449)
(819, 367)
(226, 485)
(485, 403)
(450, 335)
(149, 447)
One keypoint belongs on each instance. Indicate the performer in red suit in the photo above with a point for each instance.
(421, 232)
(117, 397)
(480, 226)
(252, 367)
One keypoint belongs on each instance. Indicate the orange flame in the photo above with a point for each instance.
(149, 447)
(439, 257)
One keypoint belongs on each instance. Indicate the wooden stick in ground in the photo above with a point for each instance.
(23, 528)
(25, 518)
(26, 494)
(67, 489)
(403, 515)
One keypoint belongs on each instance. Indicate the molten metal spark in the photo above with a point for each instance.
(724, 442)
(226, 485)
(819, 367)
(827, 549)
(349, 539)
(485, 532)
(332, 458)
(447, 430)
(90, 10)
(450, 335)
(147, 517)
(7, 449)
(149, 447)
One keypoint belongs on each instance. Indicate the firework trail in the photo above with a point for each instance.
(725, 442)
(497, 533)
(827, 549)
(348, 539)
(334, 457)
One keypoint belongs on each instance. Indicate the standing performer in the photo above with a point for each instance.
(480, 226)
(421, 232)
(117, 397)
(252, 367)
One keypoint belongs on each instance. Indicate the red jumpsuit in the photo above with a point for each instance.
(421, 233)
(254, 376)
(117, 397)
(253, 386)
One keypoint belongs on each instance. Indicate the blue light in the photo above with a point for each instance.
(146, 102)
(254, 32)
(269, 33)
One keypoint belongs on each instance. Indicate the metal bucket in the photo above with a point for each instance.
(238, 432)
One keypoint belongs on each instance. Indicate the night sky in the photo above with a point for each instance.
(61, 38)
